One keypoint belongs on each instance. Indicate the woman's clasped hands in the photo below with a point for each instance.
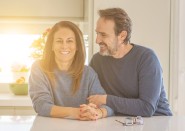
(90, 112)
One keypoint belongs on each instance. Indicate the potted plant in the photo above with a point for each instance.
(19, 70)
(20, 74)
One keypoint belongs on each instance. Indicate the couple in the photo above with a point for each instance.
(60, 85)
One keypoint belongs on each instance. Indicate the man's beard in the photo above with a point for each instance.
(108, 51)
(104, 53)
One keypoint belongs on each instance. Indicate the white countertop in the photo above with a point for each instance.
(14, 100)
(38, 123)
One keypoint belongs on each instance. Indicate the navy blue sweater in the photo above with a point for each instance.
(134, 83)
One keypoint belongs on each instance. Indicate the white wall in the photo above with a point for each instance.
(181, 71)
(151, 26)
(177, 70)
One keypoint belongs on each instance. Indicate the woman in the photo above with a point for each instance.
(60, 83)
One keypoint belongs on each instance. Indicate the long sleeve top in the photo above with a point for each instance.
(134, 83)
(44, 96)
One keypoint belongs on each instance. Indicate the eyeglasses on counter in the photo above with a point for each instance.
(129, 121)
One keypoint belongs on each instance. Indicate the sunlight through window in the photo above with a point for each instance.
(14, 50)
(15, 55)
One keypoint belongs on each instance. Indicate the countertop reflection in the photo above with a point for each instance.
(39, 123)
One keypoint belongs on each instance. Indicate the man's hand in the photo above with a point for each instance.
(97, 99)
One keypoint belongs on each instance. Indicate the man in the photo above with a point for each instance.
(130, 74)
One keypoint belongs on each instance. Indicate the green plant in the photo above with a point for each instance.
(39, 44)
(16, 67)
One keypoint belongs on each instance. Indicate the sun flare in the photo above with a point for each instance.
(14, 49)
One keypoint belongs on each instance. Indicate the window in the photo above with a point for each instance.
(14, 51)
(15, 54)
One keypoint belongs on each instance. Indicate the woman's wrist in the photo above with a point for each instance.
(72, 113)
(101, 112)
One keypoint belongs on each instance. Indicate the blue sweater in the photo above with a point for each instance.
(134, 83)
(43, 96)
